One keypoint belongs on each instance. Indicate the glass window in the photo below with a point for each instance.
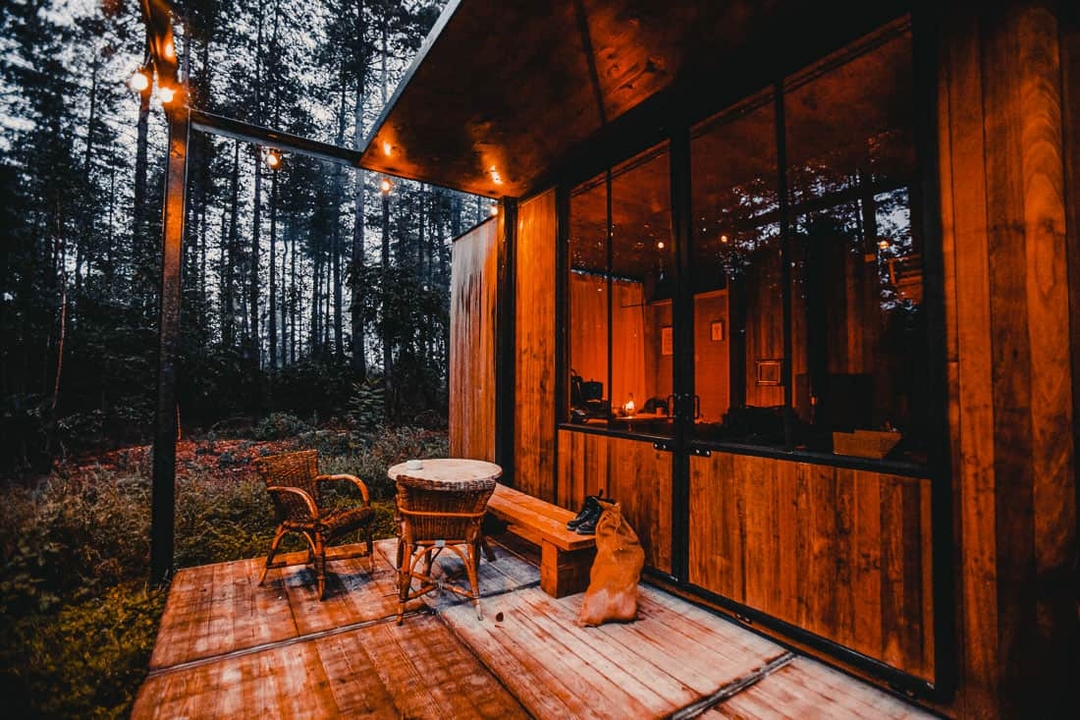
(805, 271)
(859, 358)
(738, 301)
(619, 297)
(830, 355)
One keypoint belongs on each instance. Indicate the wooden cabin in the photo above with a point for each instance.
(799, 285)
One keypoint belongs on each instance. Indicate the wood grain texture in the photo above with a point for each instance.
(835, 551)
(534, 353)
(647, 669)
(764, 327)
(1010, 348)
(711, 356)
(631, 472)
(971, 416)
(808, 689)
(527, 658)
(547, 521)
(474, 272)
(588, 313)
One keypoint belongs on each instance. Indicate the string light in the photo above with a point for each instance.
(273, 158)
(385, 186)
(166, 93)
(140, 81)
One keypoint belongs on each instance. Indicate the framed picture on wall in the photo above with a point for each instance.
(666, 346)
(716, 331)
(768, 372)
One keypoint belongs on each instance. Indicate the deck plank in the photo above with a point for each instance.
(809, 689)
(230, 648)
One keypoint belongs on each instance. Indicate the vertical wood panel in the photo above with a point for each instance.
(1010, 351)
(627, 343)
(658, 367)
(640, 479)
(712, 380)
(867, 581)
(846, 555)
(1053, 470)
(631, 472)
(715, 557)
(966, 271)
(840, 553)
(588, 322)
(764, 330)
(1011, 378)
(473, 276)
(534, 353)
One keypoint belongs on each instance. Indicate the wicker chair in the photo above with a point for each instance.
(295, 487)
(433, 516)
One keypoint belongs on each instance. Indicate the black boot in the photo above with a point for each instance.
(588, 525)
(587, 511)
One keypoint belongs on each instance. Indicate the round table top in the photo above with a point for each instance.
(448, 470)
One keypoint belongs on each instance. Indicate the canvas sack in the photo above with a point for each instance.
(613, 580)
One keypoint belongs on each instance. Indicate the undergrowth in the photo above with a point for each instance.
(77, 616)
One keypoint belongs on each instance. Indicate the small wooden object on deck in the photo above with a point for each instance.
(565, 556)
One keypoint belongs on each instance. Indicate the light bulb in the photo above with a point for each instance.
(166, 94)
(140, 80)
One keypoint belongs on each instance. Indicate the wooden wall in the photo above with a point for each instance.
(764, 327)
(842, 553)
(658, 367)
(534, 348)
(712, 377)
(630, 471)
(1011, 344)
(1008, 343)
(473, 276)
(588, 336)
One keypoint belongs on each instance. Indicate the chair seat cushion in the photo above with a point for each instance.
(343, 521)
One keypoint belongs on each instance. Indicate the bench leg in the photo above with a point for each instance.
(564, 572)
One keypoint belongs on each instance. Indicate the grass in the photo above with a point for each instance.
(77, 616)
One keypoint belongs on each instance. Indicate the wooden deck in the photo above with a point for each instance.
(229, 648)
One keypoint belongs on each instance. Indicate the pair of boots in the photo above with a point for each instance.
(585, 521)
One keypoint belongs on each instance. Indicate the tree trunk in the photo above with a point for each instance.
(359, 285)
(272, 310)
(228, 295)
(335, 264)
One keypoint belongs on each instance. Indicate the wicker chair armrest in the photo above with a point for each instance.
(308, 500)
(350, 478)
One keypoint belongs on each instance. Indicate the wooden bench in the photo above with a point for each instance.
(565, 556)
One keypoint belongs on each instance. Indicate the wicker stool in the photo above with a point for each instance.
(434, 515)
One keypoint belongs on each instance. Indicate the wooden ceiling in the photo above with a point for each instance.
(502, 93)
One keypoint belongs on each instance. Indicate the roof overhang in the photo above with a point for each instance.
(504, 93)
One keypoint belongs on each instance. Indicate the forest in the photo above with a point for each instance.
(314, 309)
(309, 289)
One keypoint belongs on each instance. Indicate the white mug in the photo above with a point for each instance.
(414, 464)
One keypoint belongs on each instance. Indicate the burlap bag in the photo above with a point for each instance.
(613, 580)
